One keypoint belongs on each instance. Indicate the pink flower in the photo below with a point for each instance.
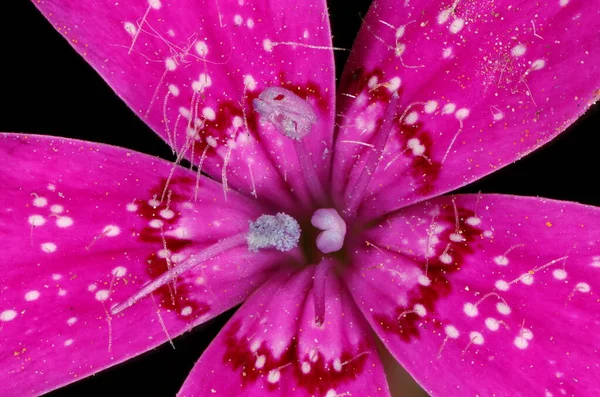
(327, 229)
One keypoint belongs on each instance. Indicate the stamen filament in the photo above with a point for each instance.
(358, 192)
(212, 251)
(320, 278)
(310, 174)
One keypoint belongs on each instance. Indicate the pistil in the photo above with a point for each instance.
(280, 231)
(358, 191)
(333, 227)
(294, 118)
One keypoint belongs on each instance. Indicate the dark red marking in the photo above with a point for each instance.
(321, 378)
(407, 327)
(182, 296)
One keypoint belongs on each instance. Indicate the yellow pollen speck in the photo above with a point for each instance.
(548, 224)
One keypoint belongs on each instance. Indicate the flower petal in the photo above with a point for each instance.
(482, 84)
(471, 293)
(83, 227)
(272, 346)
(191, 70)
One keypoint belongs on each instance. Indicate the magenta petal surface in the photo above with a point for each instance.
(83, 228)
(481, 84)
(487, 295)
(191, 69)
(272, 347)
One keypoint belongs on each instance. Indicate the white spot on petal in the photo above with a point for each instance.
(8, 315)
(470, 309)
(48, 247)
(32, 295)
(40, 202)
(36, 220)
(64, 221)
(102, 295)
(457, 25)
(518, 50)
(111, 231)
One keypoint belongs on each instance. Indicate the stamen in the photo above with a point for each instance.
(331, 239)
(319, 280)
(280, 231)
(358, 192)
(293, 117)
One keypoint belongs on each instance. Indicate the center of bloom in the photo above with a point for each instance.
(333, 227)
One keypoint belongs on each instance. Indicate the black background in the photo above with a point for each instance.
(48, 89)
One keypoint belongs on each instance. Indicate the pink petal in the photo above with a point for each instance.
(191, 69)
(498, 300)
(83, 228)
(482, 84)
(272, 346)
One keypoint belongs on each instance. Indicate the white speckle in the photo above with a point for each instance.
(518, 50)
(451, 331)
(595, 263)
(526, 279)
(443, 16)
(201, 48)
(204, 81)
(447, 52)
(457, 25)
(457, 237)
(411, 118)
(331, 393)
(68, 342)
(559, 274)
(174, 90)
(538, 64)
(186, 311)
(36, 220)
(57, 209)
(527, 334)
(420, 310)
(155, 4)
(92, 287)
(274, 376)
(521, 342)
(415, 145)
(64, 221)
(48, 247)
(154, 202)
(250, 23)
(51, 187)
(470, 309)
(337, 364)
(400, 48)
(155, 223)
(313, 356)
(400, 32)
(492, 324)
(372, 82)
(56, 277)
(102, 295)
(212, 142)
(167, 214)
(446, 258)
(431, 106)
(132, 207)
(238, 20)
(503, 308)
(473, 221)
(209, 113)
(268, 45)
(501, 260)
(502, 285)
(62, 292)
(423, 280)
(8, 315)
(462, 113)
(394, 84)
(305, 367)
(260, 361)
(249, 82)
(488, 233)
(448, 108)
(40, 202)
(32, 295)
(498, 115)
(130, 28)
(119, 271)
(476, 338)
(583, 287)
(563, 3)
(71, 321)
(170, 64)
(255, 345)
(111, 231)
